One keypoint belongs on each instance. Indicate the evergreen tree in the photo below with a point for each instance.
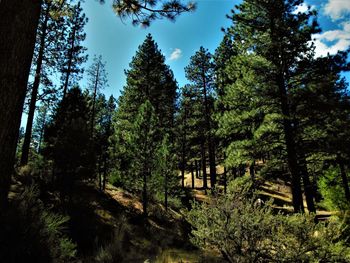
(280, 37)
(67, 141)
(143, 144)
(74, 53)
(102, 132)
(147, 79)
(166, 170)
(49, 37)
(97, 81)
(190, 135)
(200, 72)
(17, 44)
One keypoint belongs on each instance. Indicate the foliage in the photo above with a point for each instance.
(246, 231)
(145, 11)
(68, 141)
(148, 79)
(30, 233)
(332, 191)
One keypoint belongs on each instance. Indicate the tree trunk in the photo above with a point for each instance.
(252, 172)
(18, 23)
(196, 167)
(94, 102)
(183, 167)
(144, 194)
(204, 166)
(212, 165)
(70, 60)
(35, 89)
(344, 179)
(166, 191)
(308, 189)
(225, 175)
(291, 147)
(42, 130)
(104, 174)
(192, 176)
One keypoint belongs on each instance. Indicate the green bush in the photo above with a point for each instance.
(244, 231)
(116, 179)
(332, 191)
(29, 233)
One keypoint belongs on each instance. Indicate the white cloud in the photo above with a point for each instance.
(301, 8)
(337, 9)
(176, 54)
(339, 37)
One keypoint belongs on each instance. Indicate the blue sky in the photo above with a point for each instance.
(117, 41)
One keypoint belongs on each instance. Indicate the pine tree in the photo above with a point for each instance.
(67, 140)
(189, 134)
(200, 72)
(74, 53)
(47, 50)
(13, 80)
(16, 45)
(143, 144)
(274, 32)
(147, 79)
(97, 81)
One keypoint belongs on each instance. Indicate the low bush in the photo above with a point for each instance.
(30, 233)
(245, 231)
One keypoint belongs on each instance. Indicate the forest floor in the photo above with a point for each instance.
(277, 190)
(111, 223)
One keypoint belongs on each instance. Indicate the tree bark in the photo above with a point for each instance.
(166, 191)
(211, 151)
(308, 188)
(144, 195)
(291, 149)
(70, 59)
(225, 175)
(204, 166)
(344, 179)
(192, 176)
(18, 24)
(94, 101)
(35, 89)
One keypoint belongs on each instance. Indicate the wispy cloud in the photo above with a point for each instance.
(337, 9)
(333, 41)
(176, 54)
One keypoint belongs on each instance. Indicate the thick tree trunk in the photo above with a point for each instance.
(18, 23)
(35, 89)
(308, 188)
(291, 147)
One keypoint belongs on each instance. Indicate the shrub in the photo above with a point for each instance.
(247, 232)
(332, 191)
(29, 233)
